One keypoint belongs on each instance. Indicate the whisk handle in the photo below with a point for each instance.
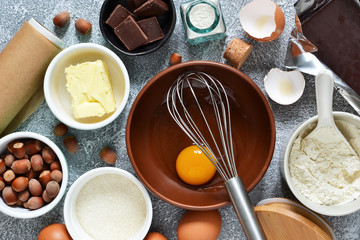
(244, 209)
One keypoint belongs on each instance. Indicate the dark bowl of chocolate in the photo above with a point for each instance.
(154, 140)
(137, 27)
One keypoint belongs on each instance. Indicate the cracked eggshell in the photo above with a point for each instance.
(284, 87)
(263, 20)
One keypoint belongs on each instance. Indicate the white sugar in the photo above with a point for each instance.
(111, 207)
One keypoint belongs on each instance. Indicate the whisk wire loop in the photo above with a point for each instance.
(224, 157)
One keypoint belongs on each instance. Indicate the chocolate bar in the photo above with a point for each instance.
(335, 30)
(151, 27)
(151, 8)
(117, 16)
(130, 34)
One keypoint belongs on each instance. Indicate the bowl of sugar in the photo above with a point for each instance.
(107, 203)
(325, 181)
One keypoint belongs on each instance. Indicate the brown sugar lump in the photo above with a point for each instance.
(130, 34)
(151, 28)
(118, 15)
(237, 52)
(151, 8)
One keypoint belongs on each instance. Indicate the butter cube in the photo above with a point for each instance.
(89, 86)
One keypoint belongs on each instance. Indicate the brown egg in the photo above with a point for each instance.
(155, 236)
(55, 231)
(199, 225)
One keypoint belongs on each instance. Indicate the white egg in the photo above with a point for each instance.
(284, 87)
(262, 20)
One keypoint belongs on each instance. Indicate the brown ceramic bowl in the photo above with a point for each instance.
(154, 140)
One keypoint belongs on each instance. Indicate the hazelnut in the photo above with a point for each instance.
(46, 197)
(37, 162)
(9, 176)
(175, 58)
(35, 202)
(21, 166)
(56, 176)
(10, 146)
(2, 183)
(20, 184)
(2, 166)
(71, 144)
(35, 187)
(9, 196)
(19, 203)
(9, 159)
(55, 166)
(60, 130)
(19, 150)
(31, 174)
(61, 19)
(24, 195)
(83, 26)
(32, 147)
(108, 155)
(26, 204)
(44, 177)
(52, 189)
(48, 155)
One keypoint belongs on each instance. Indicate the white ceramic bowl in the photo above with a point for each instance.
(20, 212)
(332, 210)
(70, 216)
(59, 99)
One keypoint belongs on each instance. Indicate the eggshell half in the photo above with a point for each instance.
(263, 20)
(199, 225)
(284, 87)
(55, 231)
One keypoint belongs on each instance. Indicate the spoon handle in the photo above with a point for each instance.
(324, 84)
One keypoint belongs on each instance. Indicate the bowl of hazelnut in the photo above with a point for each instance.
(33, 175)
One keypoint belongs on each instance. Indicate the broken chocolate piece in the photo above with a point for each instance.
(130, 34)
(117, 16)
(133, 4)
(151, 28)
(151, 8)
(130, 5)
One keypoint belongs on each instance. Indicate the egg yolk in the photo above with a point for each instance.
(193, 167)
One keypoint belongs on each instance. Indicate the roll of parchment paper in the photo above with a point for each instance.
(23, 64)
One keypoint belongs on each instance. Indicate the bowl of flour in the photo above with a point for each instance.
(325, 180)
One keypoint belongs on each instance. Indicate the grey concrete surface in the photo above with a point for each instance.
(264, 57)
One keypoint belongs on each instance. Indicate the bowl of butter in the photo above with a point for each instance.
(86, 86)
(324, 172)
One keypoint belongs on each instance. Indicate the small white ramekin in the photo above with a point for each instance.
(331, 210)
(71, 221)
(20, 212)
(59, 99)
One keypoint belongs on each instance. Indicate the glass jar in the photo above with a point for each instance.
(202, 20)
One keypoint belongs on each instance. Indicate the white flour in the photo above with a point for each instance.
(323, 168)
(202, 16)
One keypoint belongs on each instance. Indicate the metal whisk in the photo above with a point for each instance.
(208, 125)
